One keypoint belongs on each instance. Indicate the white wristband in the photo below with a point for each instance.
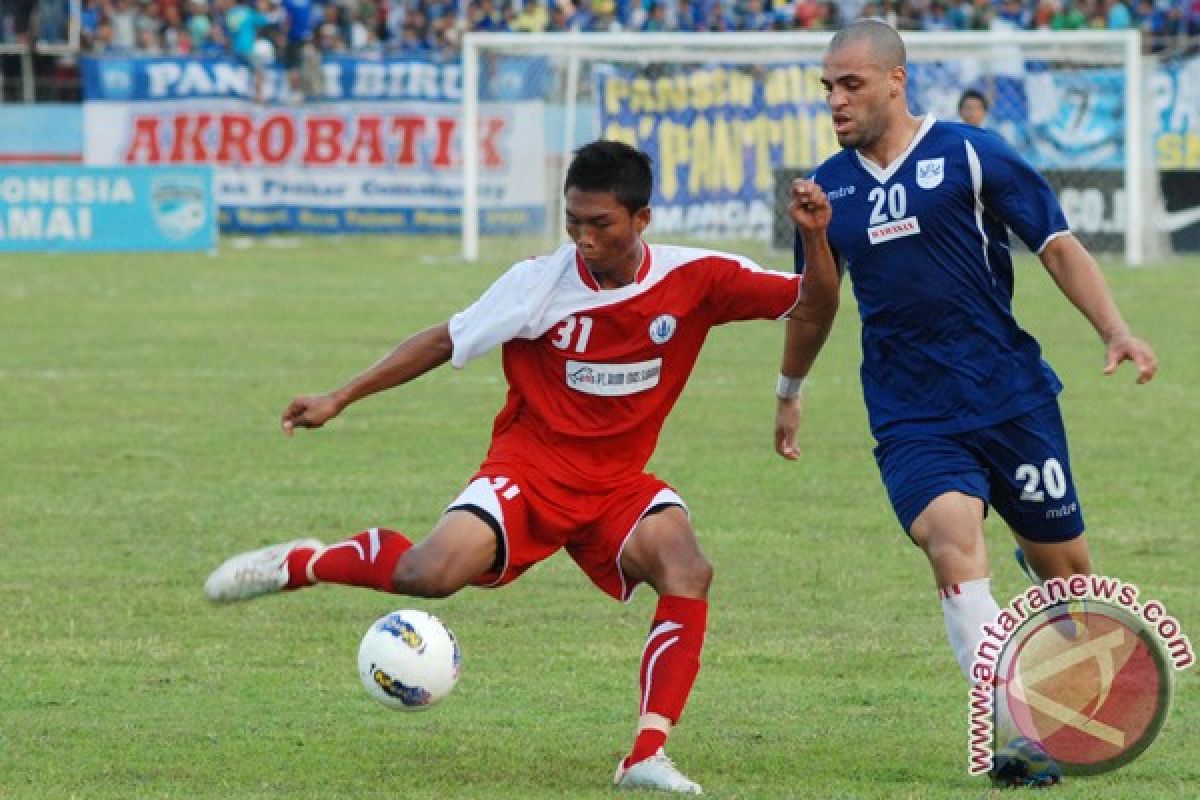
(788, 388)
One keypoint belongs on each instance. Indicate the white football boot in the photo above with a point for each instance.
(656, 772)
(253, 574)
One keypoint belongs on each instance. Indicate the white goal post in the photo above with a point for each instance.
(724, 113)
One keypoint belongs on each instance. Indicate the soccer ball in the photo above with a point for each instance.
(408, 660)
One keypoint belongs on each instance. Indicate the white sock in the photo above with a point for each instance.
(966, 608)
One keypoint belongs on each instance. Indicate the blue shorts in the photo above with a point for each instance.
(1019, 467)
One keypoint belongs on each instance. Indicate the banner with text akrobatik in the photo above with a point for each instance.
(379, 151)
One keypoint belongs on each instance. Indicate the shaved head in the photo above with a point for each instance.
(882, 40)
(866, 78)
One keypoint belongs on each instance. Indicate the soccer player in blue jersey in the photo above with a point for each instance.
(962, 406)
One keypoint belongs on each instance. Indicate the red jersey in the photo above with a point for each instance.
(593, 373)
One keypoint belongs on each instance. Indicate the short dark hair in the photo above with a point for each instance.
(885, 43)
(972, 94)
(610, 166)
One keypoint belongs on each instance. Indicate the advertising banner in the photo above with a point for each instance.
(155, 79)
(1175, 94)
(378, 152)
(70, 208)
(715, 134)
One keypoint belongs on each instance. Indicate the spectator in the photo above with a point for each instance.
(175, 39)
(1012, 15)
(961, 16)
(297, 26)
(102, 41)
(445, 36)
(581, 18)
(559, 18)
(149, 24)
(50, 21)
(532, 18)
(903, 16)
(149, 38)
(16, 17)
(973, 107)
(1068, 18)
(364, 31)
(484, 17)
(1118, 18)
(983, 13)
(754, 17)
(655, 19)
(604, 17)
(330, 40)
(848, 11)
(312, 78)
(244, 21)
(936, 18)
(411, 42)
(199, 29)
(1044, 13)
(90, 15)
(123, 16)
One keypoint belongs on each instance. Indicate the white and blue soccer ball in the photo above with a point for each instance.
(408, 660)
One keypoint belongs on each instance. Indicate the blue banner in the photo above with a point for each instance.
(106, 208)
(136, 79)
(1056, 118)
(716, 134)
(1175, 92)
(146, 78)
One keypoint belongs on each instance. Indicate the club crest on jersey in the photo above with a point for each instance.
(662, 328)
(930, 172)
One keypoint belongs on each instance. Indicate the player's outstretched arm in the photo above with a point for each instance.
(1080, 279)
(410, 359)
(812, 318)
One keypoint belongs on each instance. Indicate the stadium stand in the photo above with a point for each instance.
(44, 36)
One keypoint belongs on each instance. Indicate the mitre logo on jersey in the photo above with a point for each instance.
(930, 172)
(613, 380)
(662, 328)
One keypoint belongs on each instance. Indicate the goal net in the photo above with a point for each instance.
(729, 117)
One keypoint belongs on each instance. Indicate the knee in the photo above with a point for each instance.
(423, 577)
(687, 575)
(951, 547)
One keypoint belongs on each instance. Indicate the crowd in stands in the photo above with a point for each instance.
(283, 31)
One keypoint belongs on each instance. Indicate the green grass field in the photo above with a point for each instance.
(139, 446)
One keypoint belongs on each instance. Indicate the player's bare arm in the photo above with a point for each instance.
(1080, 279)
(809, 325)
(410, 359)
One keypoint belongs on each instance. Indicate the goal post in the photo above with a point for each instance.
(722, 114)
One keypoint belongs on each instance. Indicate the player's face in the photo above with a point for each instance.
(608, 236)
(860, 93)
(972, 111)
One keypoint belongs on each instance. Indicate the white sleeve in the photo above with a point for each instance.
(502, 313)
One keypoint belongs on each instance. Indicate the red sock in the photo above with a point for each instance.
(670, 664)
(647, 743)
(367, 559)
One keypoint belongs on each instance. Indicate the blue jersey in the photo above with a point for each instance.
(925, 243)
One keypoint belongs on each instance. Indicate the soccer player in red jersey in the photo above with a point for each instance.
(598, 340)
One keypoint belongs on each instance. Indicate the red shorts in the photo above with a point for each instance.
(537, 516)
